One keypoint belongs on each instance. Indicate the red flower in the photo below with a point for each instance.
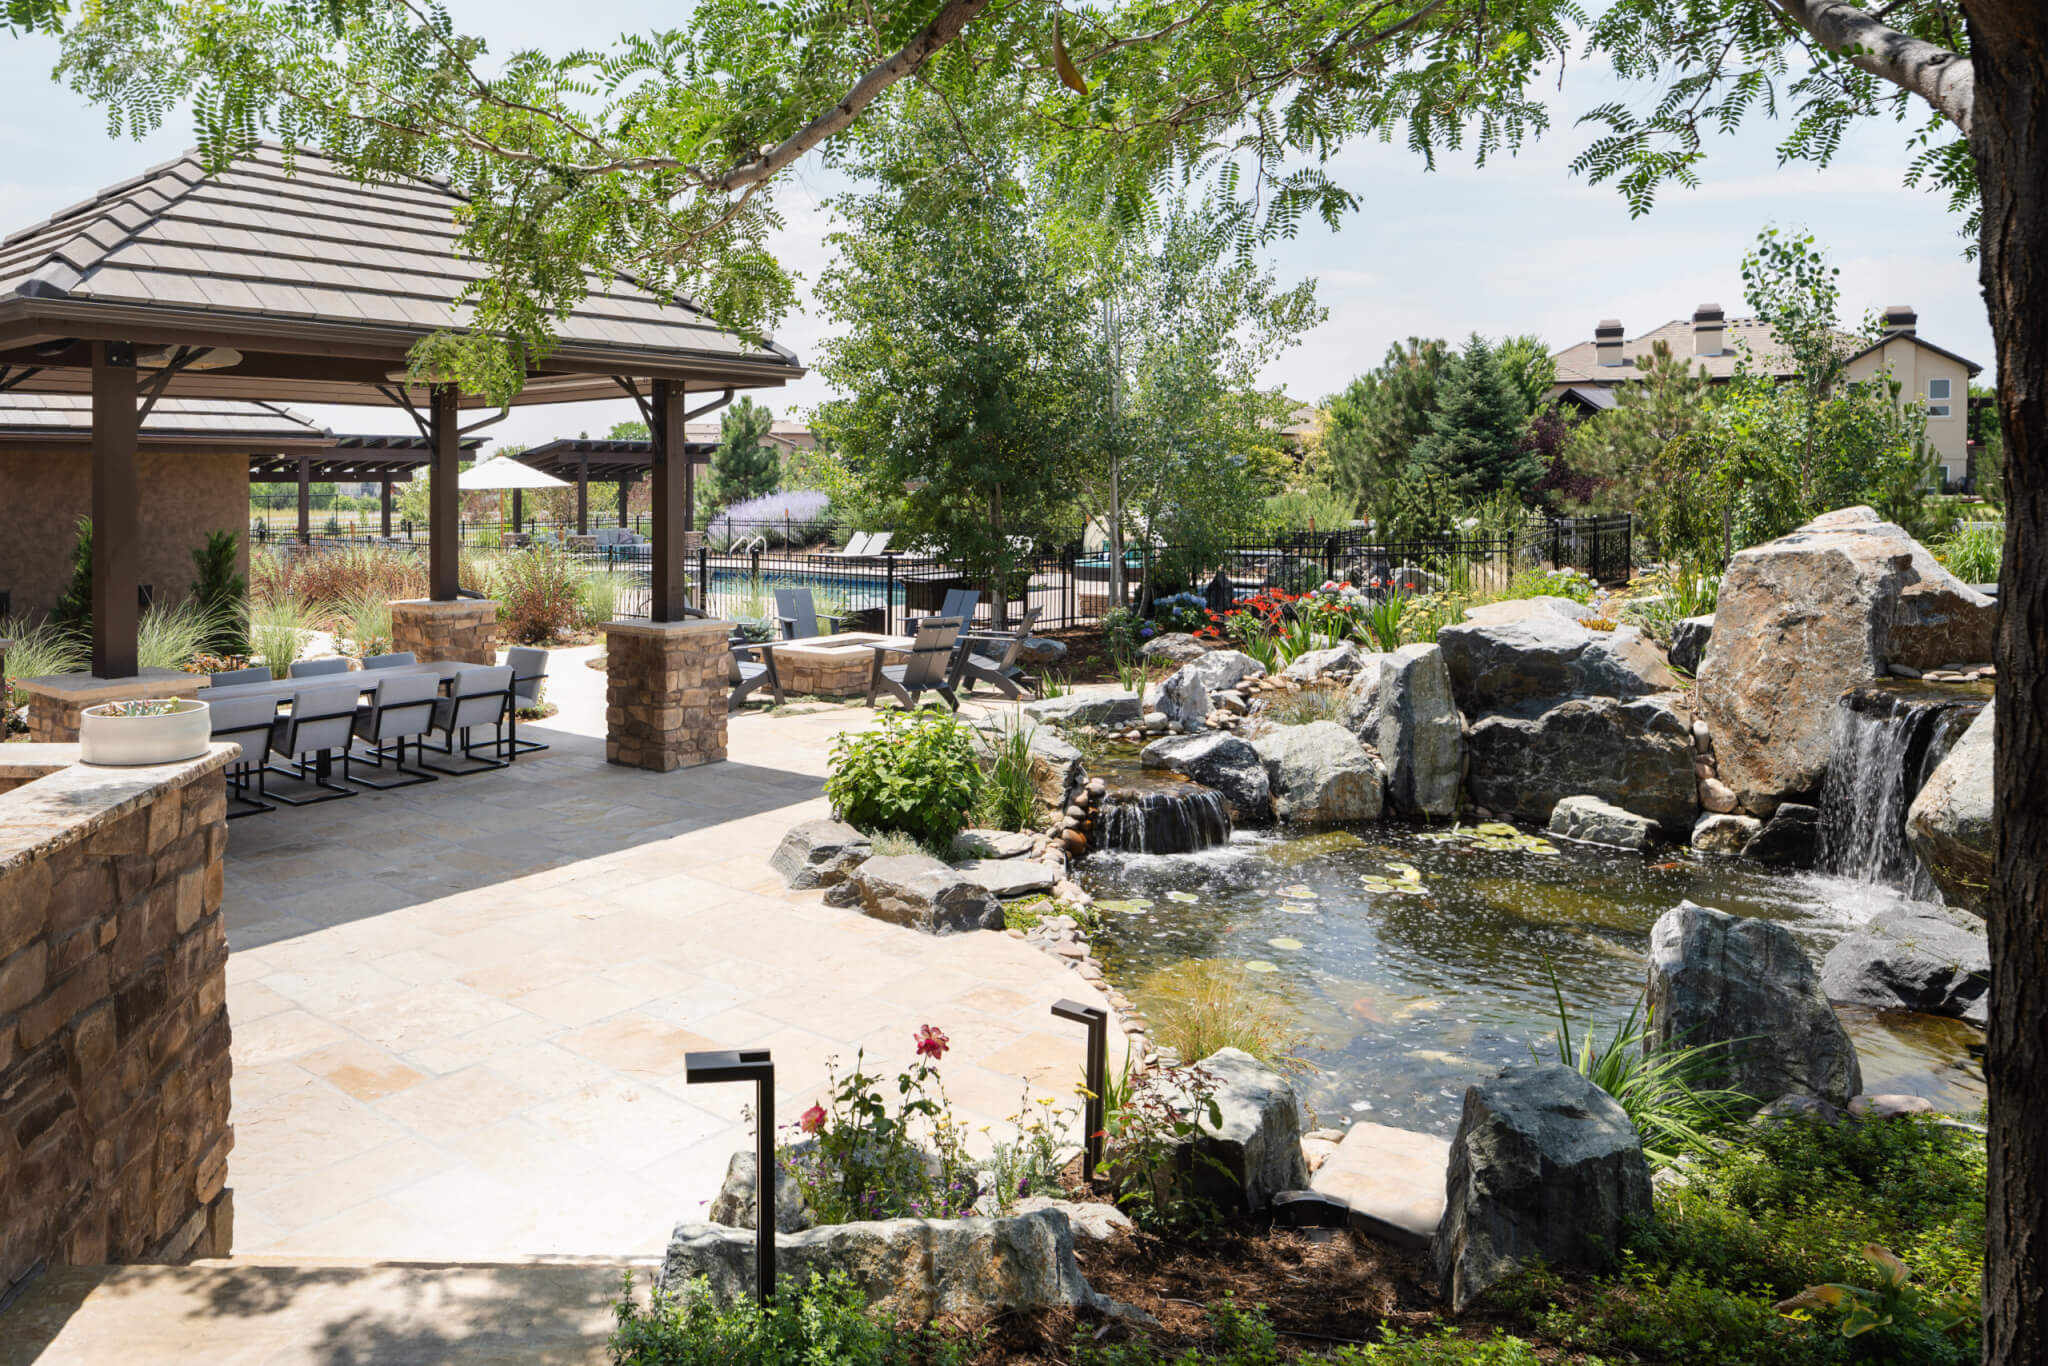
(813, 1119)
(931, 1043)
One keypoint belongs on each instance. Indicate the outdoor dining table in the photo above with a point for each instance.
(283, 688)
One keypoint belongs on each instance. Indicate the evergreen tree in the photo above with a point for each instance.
(217, 587)
(1376, 421)
(744, 465)
(74, 609)
(1476, 432)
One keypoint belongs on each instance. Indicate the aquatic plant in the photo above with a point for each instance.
(1203, 1005)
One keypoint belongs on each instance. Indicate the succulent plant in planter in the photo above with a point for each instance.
(150, 730)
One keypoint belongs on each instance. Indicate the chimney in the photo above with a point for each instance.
(1607, 342)
(1706, 330)
(1899, 320)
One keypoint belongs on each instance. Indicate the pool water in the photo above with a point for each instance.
(1436, 973)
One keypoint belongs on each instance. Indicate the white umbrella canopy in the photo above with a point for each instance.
(507, 473)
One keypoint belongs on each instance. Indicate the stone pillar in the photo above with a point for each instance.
(466, 629)
(665, 698)
(55, 700)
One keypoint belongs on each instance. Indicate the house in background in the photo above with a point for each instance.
(1590, 373)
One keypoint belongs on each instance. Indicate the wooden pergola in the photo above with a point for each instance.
(381, 460)
(312, 287)
(580, 460)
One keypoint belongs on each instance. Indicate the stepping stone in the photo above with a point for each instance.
(1393, 1179)
(985, 844)
(1009, 877)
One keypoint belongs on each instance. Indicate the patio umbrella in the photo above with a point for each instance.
(506, 473)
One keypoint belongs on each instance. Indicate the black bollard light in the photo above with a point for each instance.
(1094, 1115)
(750, 1064)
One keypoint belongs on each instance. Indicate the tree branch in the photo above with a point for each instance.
(1942, 78)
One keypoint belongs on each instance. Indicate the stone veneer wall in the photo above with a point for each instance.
(464, 630)
(54, 704)
(665, 695)
(114, 1133)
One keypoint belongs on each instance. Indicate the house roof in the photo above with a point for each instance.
(322, 281)
(1579, 364)
(602, 458)
(201, 424)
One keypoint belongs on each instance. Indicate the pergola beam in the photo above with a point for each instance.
(116, 512)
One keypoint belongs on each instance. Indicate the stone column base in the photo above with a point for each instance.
(665, 698)
(55, 700)
(465, 630)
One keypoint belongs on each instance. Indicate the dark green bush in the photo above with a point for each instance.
(824, 1321)
(914, 772)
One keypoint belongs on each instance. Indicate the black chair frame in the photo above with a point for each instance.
(499, 744)
(393, 751)
(320, 775)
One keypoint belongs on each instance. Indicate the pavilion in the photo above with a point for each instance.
(312, 287)
(625, 462)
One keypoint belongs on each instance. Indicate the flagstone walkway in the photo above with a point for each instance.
(460, 1010)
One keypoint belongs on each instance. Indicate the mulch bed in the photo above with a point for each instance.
(1088, 659)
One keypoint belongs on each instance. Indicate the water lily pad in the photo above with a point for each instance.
(1407, 872)
(1496, 828)
(1285, 944)
(1182, 896)
(1299, 891)
(1297, 908)
(1122, 907)
(1261, 965)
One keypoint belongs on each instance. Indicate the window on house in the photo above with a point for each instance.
(1937, 394)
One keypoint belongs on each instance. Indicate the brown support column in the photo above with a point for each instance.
(384, 508)
(305, 501)
(116, 516)
(518, 509)
(444, 522)
(624, 484)
(689, 489)
(583, 497)
(670, 459)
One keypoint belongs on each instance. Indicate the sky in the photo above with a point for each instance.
(1518, 246)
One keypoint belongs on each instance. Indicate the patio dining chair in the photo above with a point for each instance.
(318, 668)
(991, 657)
(320, 724)
(400, 708)
(529, 677)
(478, 697)
(398, 659)
(255, 673)
(933, 665)
(799, 614)
(246, 723)
(959, 606)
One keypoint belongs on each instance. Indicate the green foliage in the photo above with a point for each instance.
(1306, 707)
(597, 597)
(1549, 583)
(1617, 450)
(1311, 506)
(540, 593)
(1148, 1146)
(222, 591)
(1032, 1162)
(1417, 505)
(914, 772)
(38, 649)
(819, 1320)
(1120, 626)
(1973, 552)
(1894, 1306)
(744, 465)
(278, 628)
(172, 635)
(365, 621)
(861, 1159)
(74, 609)
(1476, 432)
(1381, 416)
(1008, 799)
(1245, 1337)
(1201, 1005)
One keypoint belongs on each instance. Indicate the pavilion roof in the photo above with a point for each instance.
(31, 420)
(603, 458)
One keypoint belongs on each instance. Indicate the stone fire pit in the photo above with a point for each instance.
(828, 666)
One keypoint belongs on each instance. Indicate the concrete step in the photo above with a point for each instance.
(1393, 1179)
(252, 1311)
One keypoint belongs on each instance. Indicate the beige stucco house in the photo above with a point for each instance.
(1589, 373)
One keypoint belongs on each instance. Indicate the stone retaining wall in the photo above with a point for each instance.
(114, 1133)
(55, 701)
(465, 630)
(665, 694)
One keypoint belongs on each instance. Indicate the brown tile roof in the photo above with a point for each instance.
(1580, 364)
(319, 251)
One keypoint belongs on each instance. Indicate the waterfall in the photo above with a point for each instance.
(1176, 818)
(1888, 739)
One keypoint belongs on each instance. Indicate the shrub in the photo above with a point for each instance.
(39, 648)
(223, 592)
(277, 632)
(74, 609)
(364, 622)
(914, 772)
(538, 592)
(1181, 612)
(171, 635)
(822, 1320)
(1120, 632)
(1008, 799)
(1549, 583)
(597, 597)
(1031, 1163)
(1973, 552)
(798, 517)
(343, 574)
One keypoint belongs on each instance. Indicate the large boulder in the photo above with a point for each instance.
(1588, 820)
(1008, 877)
(1223, 762)
(1545, 1167)
(1513, 653)
(1634, 754)
(1225, 670)
(919, 891)
(1038, 652)
(1804, 618)
(1177, 646)
(819, 854)
(1184, 698)
(1745, 987)
(1949, 823)
(1789, 839)
(1401, 704)
(1904, 960)
(1724, 833)
(739, 1198)
(1112, 709)
(1313, 666)
(910, 1268)
(1689, 637)
(1255, 1152)
(1319, 772)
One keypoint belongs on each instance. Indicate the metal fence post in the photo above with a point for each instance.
(889, 593)
(704, 580)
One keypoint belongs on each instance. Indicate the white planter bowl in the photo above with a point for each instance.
(131, 741)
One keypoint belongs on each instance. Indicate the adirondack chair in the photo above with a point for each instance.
(959, 605)
(991, 657)
(799, 615)
(933, 665)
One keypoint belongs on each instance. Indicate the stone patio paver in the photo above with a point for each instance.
(460, 1010)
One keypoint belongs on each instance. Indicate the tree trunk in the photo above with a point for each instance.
(2009, 139)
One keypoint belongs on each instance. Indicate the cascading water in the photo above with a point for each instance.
(1164, 818)
(1888, 739)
